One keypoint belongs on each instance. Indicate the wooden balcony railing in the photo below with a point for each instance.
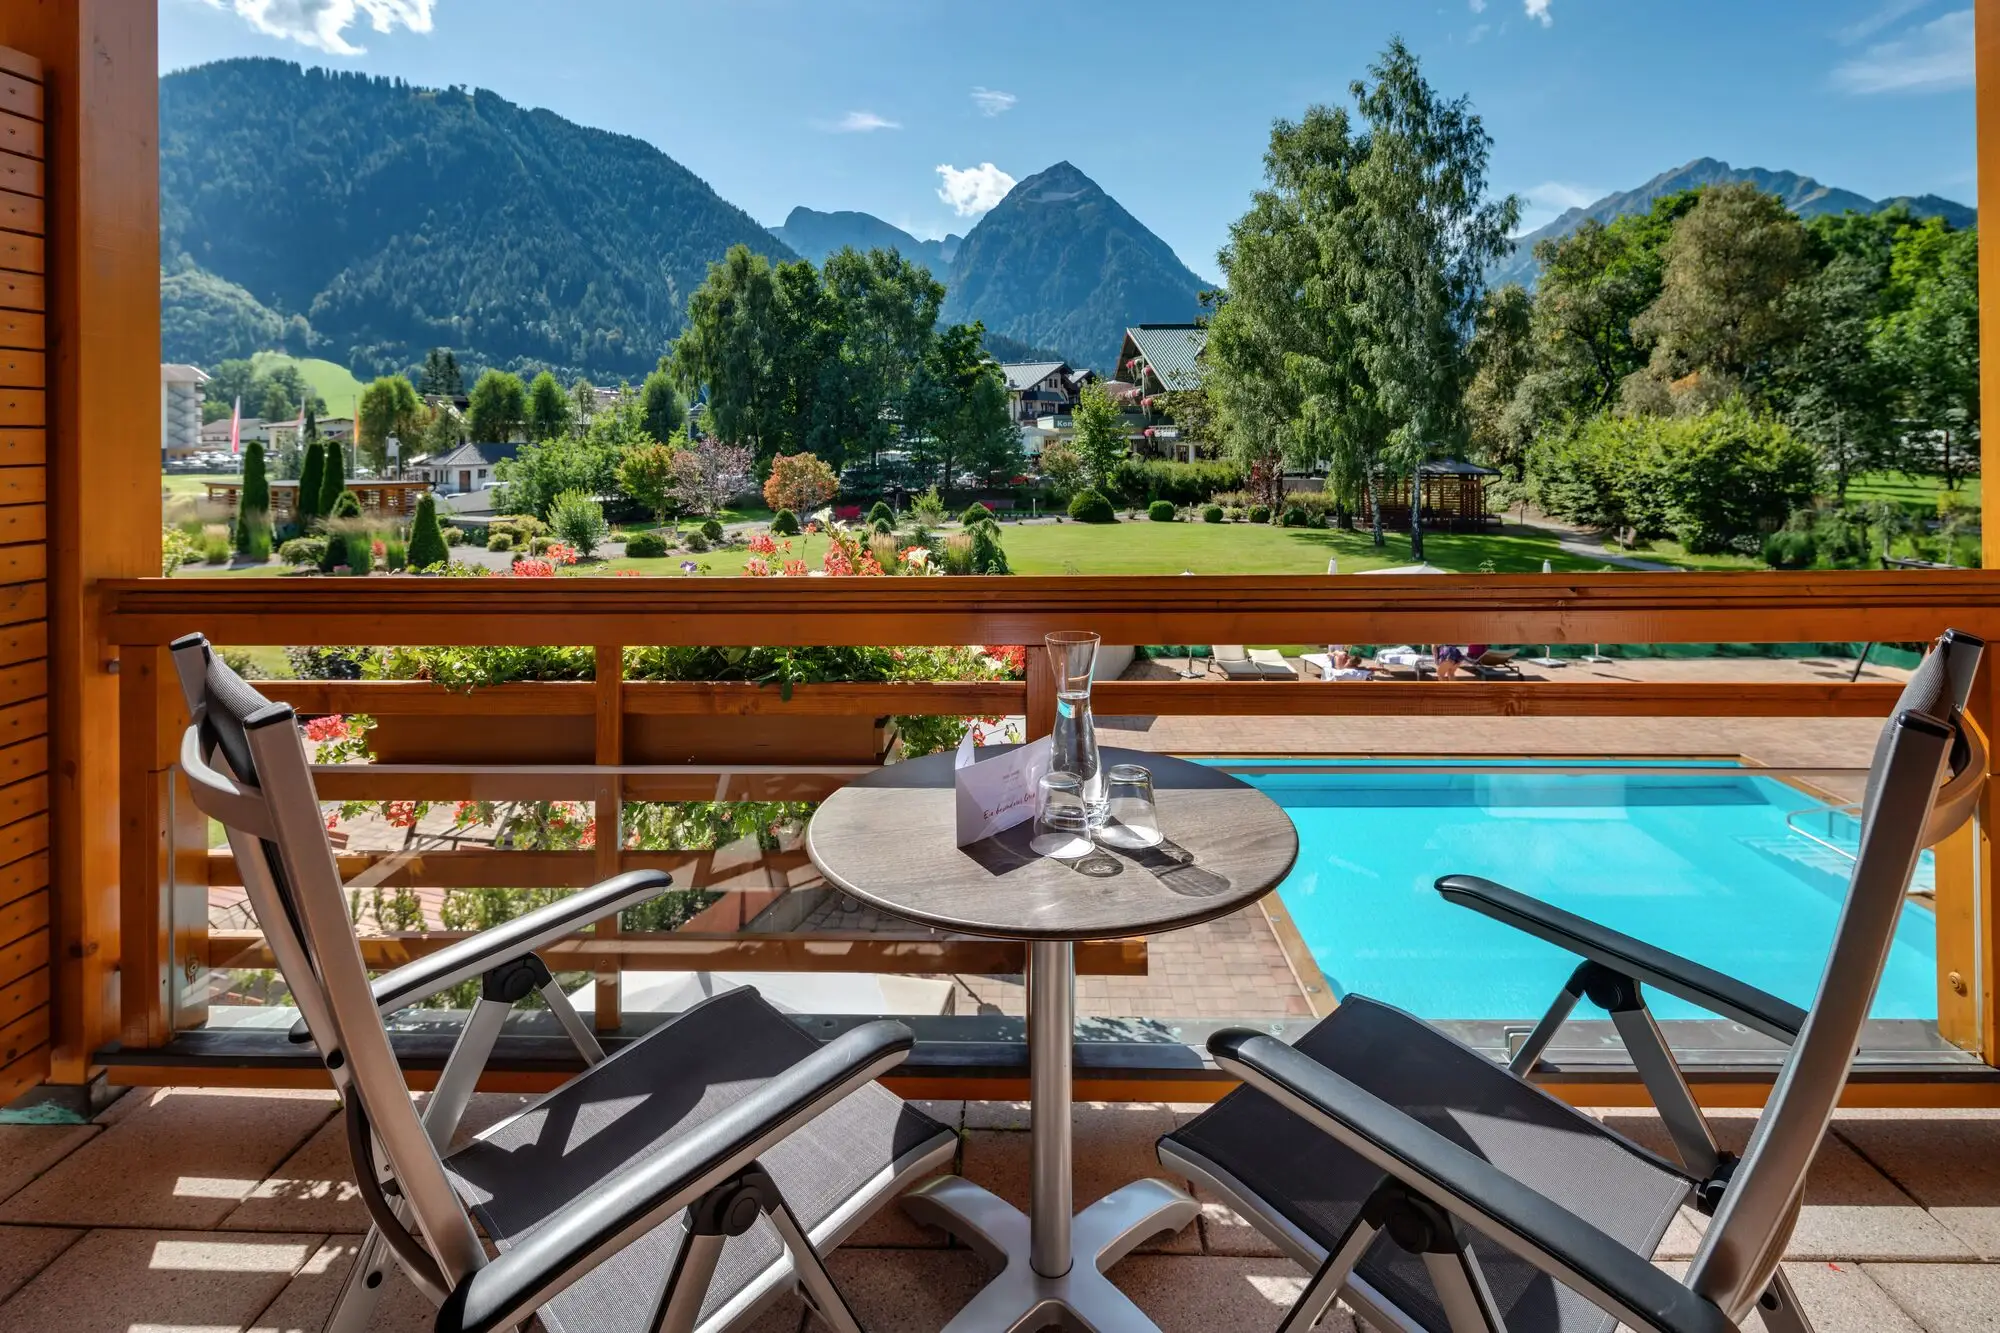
(599, 740)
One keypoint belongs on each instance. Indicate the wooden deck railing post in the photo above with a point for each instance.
(610, 752)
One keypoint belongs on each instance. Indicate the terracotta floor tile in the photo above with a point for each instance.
(120, 1281)
(1949, 1164)
(307, 1300)
(1113, 1147)
(1944, 1298)
(185, 1160)
(26, 1251)
(1202, 1295)
(314, 1187)
(905, 1291)
(28, 1150)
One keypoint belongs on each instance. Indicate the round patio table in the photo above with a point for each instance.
(889, 840)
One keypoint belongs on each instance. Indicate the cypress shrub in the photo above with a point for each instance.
(881, 513)
(427, 543)
(333, 482)
(346, 543)
(974, 513)
(312, 476)
(253, 510)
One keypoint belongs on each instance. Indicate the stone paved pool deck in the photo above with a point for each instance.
(234, 1212)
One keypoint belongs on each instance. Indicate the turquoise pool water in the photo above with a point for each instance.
(1702, 864)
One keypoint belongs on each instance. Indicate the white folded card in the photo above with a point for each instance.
(997, 793)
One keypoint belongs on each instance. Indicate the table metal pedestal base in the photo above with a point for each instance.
(1018, 1298)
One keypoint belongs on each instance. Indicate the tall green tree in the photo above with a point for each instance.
(1418, 246)
(647, 474)
(954, 410)
(498, 407)
(730, 348)
(433, 380)
(582, 401)
(1502, 355)
(312, 476)
(886, 308)
(1722, 318)
(1931, 346)
(550, 413)
(389, 406)
(1100, 432)
(1836, 390)
(661, 408)
(253, 506)
(334, 480)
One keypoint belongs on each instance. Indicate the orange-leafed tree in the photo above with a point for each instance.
(800, 483)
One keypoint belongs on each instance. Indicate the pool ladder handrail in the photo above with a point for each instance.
(1791, 822)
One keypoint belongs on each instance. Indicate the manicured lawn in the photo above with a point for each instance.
(330, 380)
(1142, 547)
(1917, 494)
(191, 484)
(1669, 552)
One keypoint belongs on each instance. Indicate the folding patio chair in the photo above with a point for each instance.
(682, 1183)
(1234, 662)
(1504, 1207)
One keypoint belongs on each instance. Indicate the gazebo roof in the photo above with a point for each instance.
(1453, 467)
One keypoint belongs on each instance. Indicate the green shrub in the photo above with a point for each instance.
(395, 555)
(696, 542)
(882, 527)
(540, 545)
(454, 536)
(1087, 506)
(1161, 511)
(259, 548)
(1260, 513)
(1211, 514)
(988, 556)
(785, 524)
(975, 512)
(427, 544)
(215, 550)
(1144, 479)
(1294, 516)
(881, 513)
(928, 508)
(957, 555)
(577, 519)
(712, 529)
(646, 546)
(500, 541)
(302, 551)
(1790, 548)
(1713, 482)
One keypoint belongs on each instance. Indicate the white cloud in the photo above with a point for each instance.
(1478, 33)
(323, 24)
(992, 102)
(1888, 13)
(860, 122)
(1478, 6)
(1931, 58)
(1542, 204)
(1538, 9)
(973, 190)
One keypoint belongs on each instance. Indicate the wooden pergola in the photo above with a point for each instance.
(1454, 497)
(379, 499)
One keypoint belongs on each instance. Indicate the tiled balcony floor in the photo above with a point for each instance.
(220, 1212)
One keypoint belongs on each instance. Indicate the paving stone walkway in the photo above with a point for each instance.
(234, 1212)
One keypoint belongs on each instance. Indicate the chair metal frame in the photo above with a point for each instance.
(290, 874)
(1439, 1192)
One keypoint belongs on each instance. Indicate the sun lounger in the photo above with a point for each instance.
(1495, 663)
(1273, 664)
(1237, 663)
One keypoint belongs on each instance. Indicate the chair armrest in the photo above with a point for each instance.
(1469, 1187)
(614, 1213)
(477, 954)
(1756, 1009)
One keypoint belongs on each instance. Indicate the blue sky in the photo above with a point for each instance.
(922, 113)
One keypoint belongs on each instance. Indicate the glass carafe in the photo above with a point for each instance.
(1073, 656)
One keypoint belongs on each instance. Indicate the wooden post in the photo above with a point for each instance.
(1968, 935)
(610, 834)
(99, 93)
(163, 890)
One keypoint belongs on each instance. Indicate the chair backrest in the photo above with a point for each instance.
(1927, 759)
(246, 766)
(1229, 652)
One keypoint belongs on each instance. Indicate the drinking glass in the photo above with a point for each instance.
(1073, 657)
(1134, 822)
(1062, 823)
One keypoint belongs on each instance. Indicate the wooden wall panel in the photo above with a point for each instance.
(28, 907)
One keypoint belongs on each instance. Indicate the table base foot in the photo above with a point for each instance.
(1019, 1299)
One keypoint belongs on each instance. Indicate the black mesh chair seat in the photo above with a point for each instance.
(1289, 1165)
(647, 1097)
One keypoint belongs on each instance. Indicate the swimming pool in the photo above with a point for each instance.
(1702, 863)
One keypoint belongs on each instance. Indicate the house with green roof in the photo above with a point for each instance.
(1156, 359)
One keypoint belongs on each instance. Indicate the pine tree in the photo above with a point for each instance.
(427, 546)
(334, 482)
(253, 510)
(312, 476)
(454, 383)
